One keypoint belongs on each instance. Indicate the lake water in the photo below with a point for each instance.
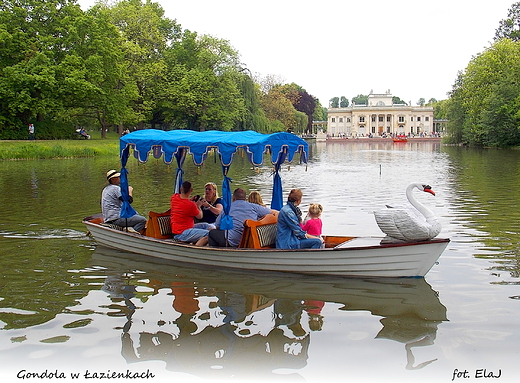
(67, 307)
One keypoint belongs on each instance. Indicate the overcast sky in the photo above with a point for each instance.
(413, 48)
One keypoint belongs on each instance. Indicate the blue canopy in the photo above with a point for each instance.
(177, 143)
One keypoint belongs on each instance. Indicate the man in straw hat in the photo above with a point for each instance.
(111, 202)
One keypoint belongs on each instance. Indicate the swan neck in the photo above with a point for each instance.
(416, 204)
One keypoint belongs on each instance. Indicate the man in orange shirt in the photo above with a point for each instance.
(183, 213)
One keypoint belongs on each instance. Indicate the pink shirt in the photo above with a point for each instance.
(313, 226)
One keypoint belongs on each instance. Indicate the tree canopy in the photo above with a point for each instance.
(510, 27)
(124, 63)
(484, 104)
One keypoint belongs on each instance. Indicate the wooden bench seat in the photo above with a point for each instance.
(259, 234)
(158, 225)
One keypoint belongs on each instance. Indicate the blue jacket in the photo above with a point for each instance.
(288, 231)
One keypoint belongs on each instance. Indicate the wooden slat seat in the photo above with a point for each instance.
(158, 225)
(259, 234)
(113, 226)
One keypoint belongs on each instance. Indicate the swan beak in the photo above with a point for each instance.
(429, 191)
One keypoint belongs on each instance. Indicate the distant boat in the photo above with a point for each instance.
(400, 138)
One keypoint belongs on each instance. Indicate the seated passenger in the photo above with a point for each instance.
(112, 201)
(183, 213)
(289, 234)
(239, 211)
(255, 197)
(312, 224)
(212, 203)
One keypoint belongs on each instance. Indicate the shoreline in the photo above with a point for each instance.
(378, 139)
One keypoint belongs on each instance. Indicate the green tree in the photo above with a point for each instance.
(456, 113)
(320, 113)
(145, 33)
(277, 107)
(300, 123)
(421, 101)
(501, 119)
(343, 102)
(33, 44)
(201, 90)
(439, 109)
(360, 99)
(334, 102)
(397, 101)
(510, 27)
(301, 101)
(108, 93)
(483, 104)
(253, 117)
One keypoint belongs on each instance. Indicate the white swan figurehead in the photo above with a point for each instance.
(410, 223)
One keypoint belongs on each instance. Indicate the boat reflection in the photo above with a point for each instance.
(227, 323)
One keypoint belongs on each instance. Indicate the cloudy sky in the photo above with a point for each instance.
(413, 48)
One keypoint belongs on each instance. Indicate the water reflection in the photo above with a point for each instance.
(229, 323)
(483, 183)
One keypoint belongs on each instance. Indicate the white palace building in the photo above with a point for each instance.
(381, 117)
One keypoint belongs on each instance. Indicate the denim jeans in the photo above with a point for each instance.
(200, 230)
(310, 243)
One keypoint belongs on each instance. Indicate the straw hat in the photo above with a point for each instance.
(112, 173)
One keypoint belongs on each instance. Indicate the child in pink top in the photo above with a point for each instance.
(312, 224)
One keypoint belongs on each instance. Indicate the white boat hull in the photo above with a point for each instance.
(363, 257)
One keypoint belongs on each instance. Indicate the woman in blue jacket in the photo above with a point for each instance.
(289, 234)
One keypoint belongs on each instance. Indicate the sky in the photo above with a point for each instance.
(413, 48)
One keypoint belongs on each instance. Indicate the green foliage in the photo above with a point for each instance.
(510, 28)
(124, 63)
(202, 88)
(440, 111)
(334, 102)
(301, 101)
(397, 101)
(279, 108)
(360, 99)
(57, 149)
(484, 104)
(320, 113)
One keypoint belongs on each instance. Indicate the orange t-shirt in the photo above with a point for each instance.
(183, 212)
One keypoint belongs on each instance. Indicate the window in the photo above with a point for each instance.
(381, 119)
(333, 119)
(361, 119)
(411, 118)
(418, 118)
(348, 119)
(373, 118)
(341, 119)
(427, 118)
(387, 118)
(373, 129)
(401, 118)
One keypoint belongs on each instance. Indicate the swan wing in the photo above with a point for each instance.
(403, 224)
(434, 226)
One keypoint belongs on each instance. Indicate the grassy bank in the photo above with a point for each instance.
(18, 150)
